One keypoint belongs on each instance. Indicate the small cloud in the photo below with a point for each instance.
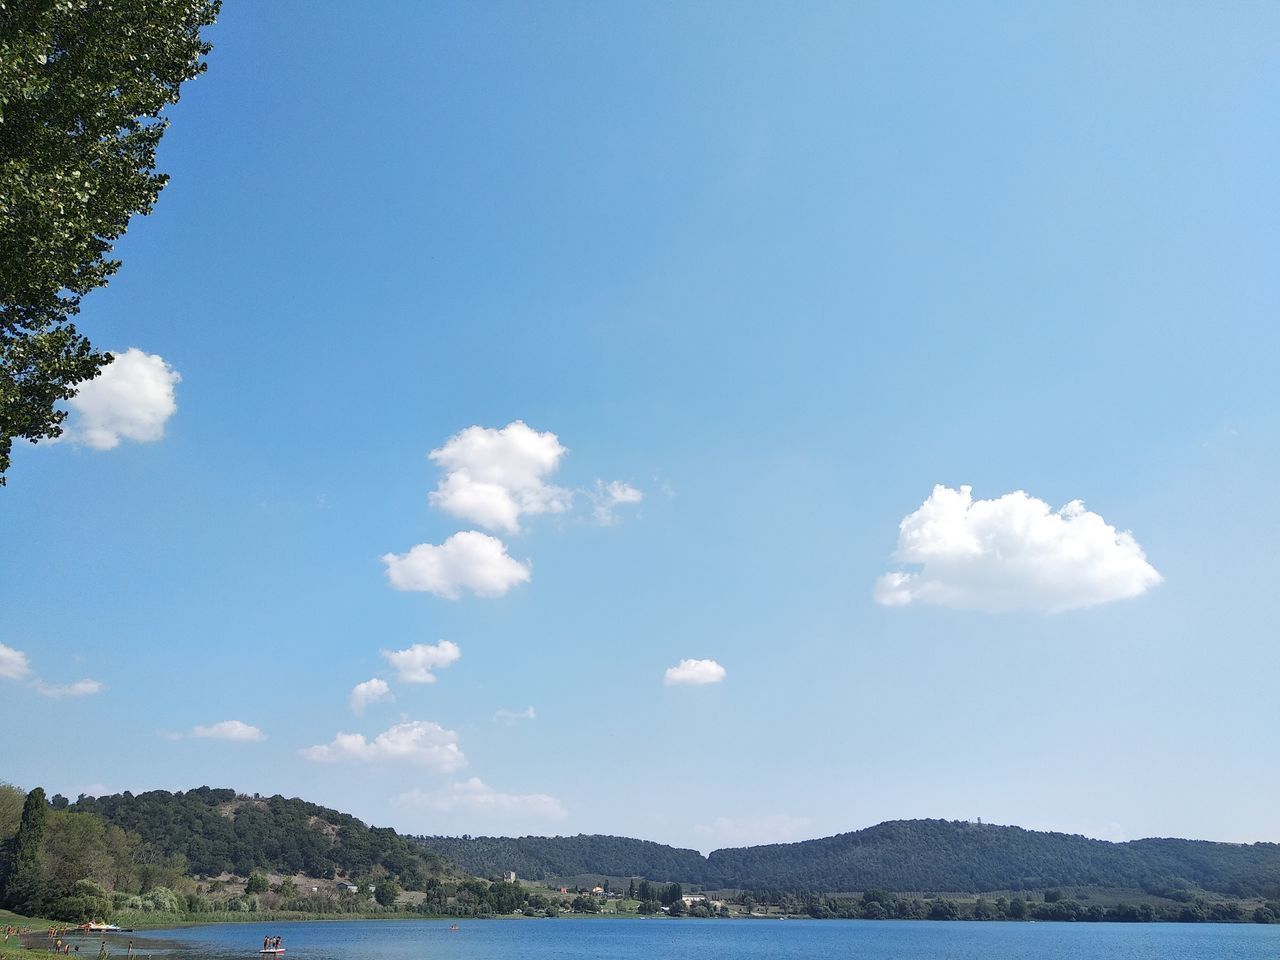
(131, 399)
(466, 561)
(477, 797)
(515, 716)
(494, 477)
(753, 830)
(1011, 553)
(13, 664)
(415, 741)
(694, 673)
(80, 688)
(607, 497)
(371, 691)
(234, 730)
(415, 663)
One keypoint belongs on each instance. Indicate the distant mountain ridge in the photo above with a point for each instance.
(899, 855)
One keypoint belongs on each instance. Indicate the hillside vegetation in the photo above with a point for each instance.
(203, 851)
(545, 858)
(904, 855)
(219, 831)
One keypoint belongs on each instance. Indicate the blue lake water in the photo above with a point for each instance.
(666, 939)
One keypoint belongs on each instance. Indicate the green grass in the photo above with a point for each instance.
(39, 925)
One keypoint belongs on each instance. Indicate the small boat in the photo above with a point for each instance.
(97, 927)
(272, 951)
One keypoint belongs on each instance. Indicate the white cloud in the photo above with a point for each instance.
(415, 663)
(415, 741)
(80, 688)
(13, 664)
(130, 400)
(493, 477)
(1012, 553)
(477, 797)
(466, 561)
(370, 691)
(514, 716)
(234, 730)
(694, 673)
(608, 496)
(753, 830)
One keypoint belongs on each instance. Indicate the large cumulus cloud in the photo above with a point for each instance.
(1011, 553)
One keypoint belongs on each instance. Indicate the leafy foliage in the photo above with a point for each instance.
(82, 86)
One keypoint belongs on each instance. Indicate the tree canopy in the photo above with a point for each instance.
(82, 87)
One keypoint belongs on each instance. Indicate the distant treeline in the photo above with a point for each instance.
(1054, 905)
(899, 855)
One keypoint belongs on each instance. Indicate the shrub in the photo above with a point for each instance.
(87, 901)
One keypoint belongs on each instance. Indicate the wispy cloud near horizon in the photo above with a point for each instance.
(414, 741)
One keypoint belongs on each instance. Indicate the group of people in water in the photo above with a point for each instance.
(58, 945)
(272, 943)
(65, 947)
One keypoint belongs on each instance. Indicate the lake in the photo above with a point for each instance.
(666, 939)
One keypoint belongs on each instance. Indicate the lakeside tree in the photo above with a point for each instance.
(24, 891)
(82, 87)
(385, 892)
(11, 801)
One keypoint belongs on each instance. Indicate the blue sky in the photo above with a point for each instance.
(781, 270)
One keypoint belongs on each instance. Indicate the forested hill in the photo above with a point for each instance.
(949, 855)
(219, 831)
(903, 855)
(544, 858)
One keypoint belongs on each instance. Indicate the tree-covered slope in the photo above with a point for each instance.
(219, 831)
(931, 855)
(903, 855)
(541, 858)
